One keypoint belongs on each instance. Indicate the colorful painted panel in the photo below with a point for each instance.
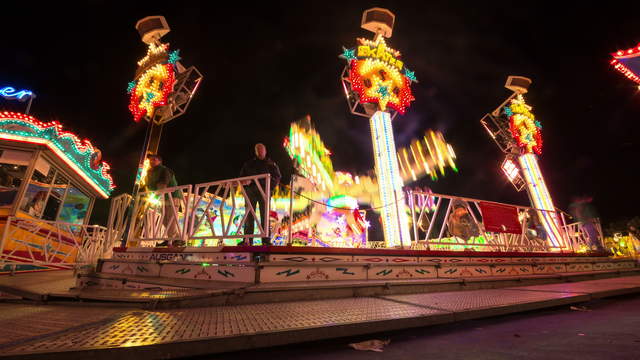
(311, 273)
(402, 272)
(126, 268)
(464, 271)
(207, 271)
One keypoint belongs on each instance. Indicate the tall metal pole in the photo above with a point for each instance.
(291, 182)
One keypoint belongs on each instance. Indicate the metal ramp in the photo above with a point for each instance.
(190, 332)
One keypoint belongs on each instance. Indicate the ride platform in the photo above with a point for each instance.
(204, 276)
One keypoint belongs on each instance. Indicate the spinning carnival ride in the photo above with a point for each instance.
(328, 208)
(327, 201)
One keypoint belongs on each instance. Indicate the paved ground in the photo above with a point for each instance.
(611, 330)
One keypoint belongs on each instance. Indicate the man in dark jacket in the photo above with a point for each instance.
(160, 177)
(261, 164)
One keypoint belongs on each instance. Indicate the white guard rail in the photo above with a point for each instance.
(455, 223)
(204, 214)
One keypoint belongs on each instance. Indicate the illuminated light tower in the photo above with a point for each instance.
(162, 88)
(515, 130)
(377, 85)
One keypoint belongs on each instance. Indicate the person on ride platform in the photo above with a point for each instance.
(259, 165)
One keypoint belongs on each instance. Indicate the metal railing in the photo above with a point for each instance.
(118, 221)
(201, 215)
(208, 213)
(51, 243)
(455, 223)
(579, 236)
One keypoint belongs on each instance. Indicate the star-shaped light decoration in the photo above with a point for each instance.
(149, 96)
(383, 91)
(378, 75)
(349, 54)
(174, 56)
(131, 86)
(410, 74)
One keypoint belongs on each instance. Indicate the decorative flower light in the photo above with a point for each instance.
(378, 75)
(524, 127)
(154, 84)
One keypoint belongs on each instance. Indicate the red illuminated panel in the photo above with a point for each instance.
(500, 218)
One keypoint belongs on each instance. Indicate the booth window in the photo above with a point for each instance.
(50, 196)
(13, 165)
(38, 190)
(75, 207)
(58, 190)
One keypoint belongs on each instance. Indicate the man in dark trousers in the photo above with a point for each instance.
(161, 177)
(260, 164)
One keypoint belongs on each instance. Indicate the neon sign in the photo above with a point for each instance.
(10, 93)
(379, 76)
(156, 80)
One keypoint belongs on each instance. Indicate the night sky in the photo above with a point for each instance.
(268, 65)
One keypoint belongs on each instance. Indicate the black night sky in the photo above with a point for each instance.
(270, 64)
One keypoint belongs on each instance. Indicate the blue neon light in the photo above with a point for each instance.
(10, 93)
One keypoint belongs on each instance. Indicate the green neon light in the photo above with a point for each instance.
(64, 143)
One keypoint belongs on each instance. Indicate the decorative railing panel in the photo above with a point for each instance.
(51, 243)
(442, 222)
(202, 215)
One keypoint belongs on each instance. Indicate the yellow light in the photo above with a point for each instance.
(153, 50)
(395, 222)
(153, 199)
(143, 174)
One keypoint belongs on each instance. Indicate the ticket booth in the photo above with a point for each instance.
(49, 181)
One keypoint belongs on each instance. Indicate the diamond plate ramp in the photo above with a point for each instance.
(480, 303)
(135, 296)
(20, 323)
(150, 334)
(596, 288)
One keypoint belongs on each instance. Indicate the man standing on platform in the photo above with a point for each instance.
(260, 164)
(160, 177)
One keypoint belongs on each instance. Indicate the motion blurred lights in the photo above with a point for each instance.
(426, 156)
(342, 202)
(307, 150)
